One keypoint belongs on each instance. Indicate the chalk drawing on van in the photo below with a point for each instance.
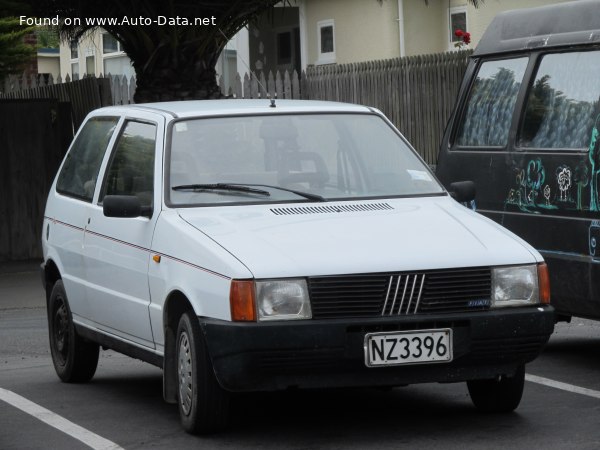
(563, 179)
(527, 194)
(536, 175)
(547, 193)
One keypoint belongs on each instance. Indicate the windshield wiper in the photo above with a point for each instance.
(220, 187)
(246, 187)
(308, 195)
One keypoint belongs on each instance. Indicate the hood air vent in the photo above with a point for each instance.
(329, 209)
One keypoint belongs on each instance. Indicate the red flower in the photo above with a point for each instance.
(459, 33)
(466, 37)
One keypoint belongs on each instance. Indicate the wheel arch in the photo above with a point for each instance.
(51, 276)
(175, 306)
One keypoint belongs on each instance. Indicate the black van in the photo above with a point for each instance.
(525, 129)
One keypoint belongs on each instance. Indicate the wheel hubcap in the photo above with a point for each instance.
(184, 373)
(61, 332)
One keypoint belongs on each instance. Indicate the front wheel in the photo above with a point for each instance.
(74, 358)
(498, 395)
(203, 403)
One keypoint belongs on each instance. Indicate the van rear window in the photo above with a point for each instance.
(563, 103)
(488, 114)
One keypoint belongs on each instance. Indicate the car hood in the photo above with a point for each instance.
(423, 233)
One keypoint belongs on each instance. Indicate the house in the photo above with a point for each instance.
(96, 53)
(305, 33)
(48, 62)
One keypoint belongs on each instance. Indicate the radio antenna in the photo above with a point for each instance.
(271, 99)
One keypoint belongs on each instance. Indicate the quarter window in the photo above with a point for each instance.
(131, 169)
(563, 103)
(80, 170)
(489, 111)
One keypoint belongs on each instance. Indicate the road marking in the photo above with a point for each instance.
(60, 423)
(563, 386)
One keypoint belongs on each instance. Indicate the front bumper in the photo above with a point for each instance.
(329, 353)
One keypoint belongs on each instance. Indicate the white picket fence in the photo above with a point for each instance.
(278, 85)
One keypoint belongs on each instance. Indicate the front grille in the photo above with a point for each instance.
(406, 293)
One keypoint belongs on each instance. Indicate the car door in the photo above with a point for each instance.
(75, 188)
(117, 250)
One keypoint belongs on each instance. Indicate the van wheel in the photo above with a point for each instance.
(203, 403)
(498, 396)
(75, 359)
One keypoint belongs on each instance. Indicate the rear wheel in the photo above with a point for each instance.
(203, 403)
(74, 358)
(498, 395)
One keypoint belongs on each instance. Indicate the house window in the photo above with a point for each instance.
(110, 44)
(284, 48)
(114, 60)
(74, 50)
(326, 42)
(90, 65)
(74, 60)
(458, 21)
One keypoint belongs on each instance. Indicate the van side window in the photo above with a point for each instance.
(80, 170)
(563, 102)
(131, 169)
(488, 114)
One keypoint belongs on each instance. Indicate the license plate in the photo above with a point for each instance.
(408, 347)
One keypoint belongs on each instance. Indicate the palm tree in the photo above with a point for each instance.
(172, 61)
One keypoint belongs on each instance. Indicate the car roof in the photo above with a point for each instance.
(199, 108)
(558, 25)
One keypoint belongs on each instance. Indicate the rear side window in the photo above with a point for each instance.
(488, 114)
(80, 170)
(563, 103)
(131, 169)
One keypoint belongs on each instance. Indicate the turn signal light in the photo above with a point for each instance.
(544, 283)
(241, 299)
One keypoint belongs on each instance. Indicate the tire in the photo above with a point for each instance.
(75, 359)
(498, 396)
(203, 403)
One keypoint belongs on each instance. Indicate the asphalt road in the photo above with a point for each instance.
(122, 407)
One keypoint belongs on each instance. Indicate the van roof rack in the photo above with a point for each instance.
(558, 25)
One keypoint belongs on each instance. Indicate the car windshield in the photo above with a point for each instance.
(302, 157)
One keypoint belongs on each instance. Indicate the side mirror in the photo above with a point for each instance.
(462, 191)
(124, 206)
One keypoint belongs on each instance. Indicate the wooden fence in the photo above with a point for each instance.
(84, 95)
(416, 93)
(35, 136)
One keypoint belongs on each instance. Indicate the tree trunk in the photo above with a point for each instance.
(174, 76)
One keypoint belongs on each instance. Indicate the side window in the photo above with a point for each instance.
(131, 169)
(488, 115)
(563, 103)
(80, 170)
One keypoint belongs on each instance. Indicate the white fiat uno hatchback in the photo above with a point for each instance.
(245, 246)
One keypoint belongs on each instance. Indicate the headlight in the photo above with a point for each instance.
(282, 300)
(515, 286)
